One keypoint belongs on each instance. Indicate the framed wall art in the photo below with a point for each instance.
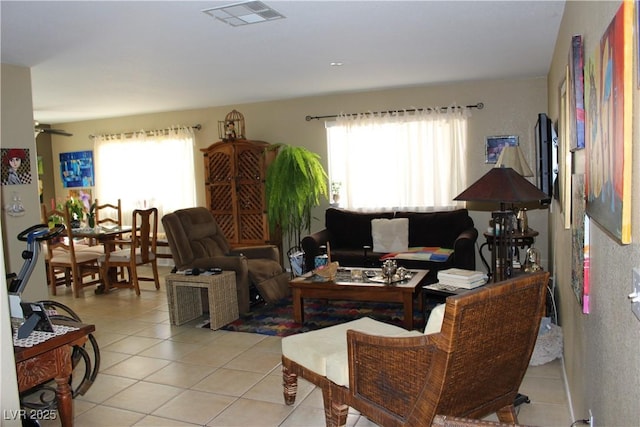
(16, 166)
(576, 94)
(608, 98)
(564, 154)
(76, 169)
(578, 240)
(495, 144)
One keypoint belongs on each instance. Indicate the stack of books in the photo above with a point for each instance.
(459, 278)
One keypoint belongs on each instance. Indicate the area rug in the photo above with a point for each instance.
(277, 319)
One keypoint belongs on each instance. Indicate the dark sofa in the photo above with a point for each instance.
(348, 233)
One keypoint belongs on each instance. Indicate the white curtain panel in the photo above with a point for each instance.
(399, 160)
(146, 169)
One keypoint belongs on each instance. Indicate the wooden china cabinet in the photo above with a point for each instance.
(235, 173)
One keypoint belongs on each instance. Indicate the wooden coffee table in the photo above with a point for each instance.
(401, 292)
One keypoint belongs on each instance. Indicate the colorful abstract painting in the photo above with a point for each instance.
(576, 93)
(608, 86)
(76, 169)
(586, 291)
(578, 238)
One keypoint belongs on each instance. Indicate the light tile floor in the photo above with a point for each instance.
(155, 374)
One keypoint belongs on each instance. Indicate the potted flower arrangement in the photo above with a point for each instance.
(78, 207)
(335, 191)
(76, 210)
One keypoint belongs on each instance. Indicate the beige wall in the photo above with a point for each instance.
(43, 145)
(511, 107)
(602, 356)
(16, 132)
(602, 349)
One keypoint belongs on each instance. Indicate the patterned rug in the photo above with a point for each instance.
(277, 319)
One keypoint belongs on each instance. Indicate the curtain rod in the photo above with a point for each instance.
(148, 132)
(479, 106)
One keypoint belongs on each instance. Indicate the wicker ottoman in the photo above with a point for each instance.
(184, 297)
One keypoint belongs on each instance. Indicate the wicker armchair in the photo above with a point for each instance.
(472, 368)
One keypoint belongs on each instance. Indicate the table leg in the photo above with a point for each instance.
(408, 310)
(298, 312)
(64, 397)
(112, 272)
(65, 402)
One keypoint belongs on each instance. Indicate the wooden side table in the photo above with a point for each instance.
(51, 359)
(184, 297)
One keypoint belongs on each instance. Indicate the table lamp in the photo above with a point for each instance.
(511, 157)
(503, 185)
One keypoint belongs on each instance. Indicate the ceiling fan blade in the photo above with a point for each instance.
(58, 132)
(53, 131)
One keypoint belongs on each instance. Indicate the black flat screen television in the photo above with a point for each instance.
(544, 150)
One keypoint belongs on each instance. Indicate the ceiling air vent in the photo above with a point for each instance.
(237, 14)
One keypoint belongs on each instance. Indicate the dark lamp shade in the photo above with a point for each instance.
(503, 185)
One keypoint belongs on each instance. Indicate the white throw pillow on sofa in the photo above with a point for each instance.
(390, 235)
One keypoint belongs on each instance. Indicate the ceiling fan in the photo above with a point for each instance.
(38, 130)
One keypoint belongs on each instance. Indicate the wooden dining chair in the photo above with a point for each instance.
(61, 276)
(62, 257)
(108, 214)
(141, 250)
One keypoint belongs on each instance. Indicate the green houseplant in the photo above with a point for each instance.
(295, 183)
(76, 211)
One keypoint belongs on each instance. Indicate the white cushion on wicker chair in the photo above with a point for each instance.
(436, 317)
(325, 351)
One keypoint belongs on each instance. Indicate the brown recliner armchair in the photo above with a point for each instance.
(196, 241)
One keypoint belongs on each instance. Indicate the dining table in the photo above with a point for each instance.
(103, 235)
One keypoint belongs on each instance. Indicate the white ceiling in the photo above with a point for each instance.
(92, 59)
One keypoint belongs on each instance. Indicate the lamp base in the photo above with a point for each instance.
(501, 256)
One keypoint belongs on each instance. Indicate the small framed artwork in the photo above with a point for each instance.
(495, 144)
(16, 166)
(76, 169)
(576, 94)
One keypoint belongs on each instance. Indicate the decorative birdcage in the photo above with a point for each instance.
(232, 127)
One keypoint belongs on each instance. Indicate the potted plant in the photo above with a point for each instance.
(295, 183)
(91, 215)
(335, 191)
(76, 210)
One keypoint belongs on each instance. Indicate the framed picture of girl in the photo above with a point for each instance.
(16, 167)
